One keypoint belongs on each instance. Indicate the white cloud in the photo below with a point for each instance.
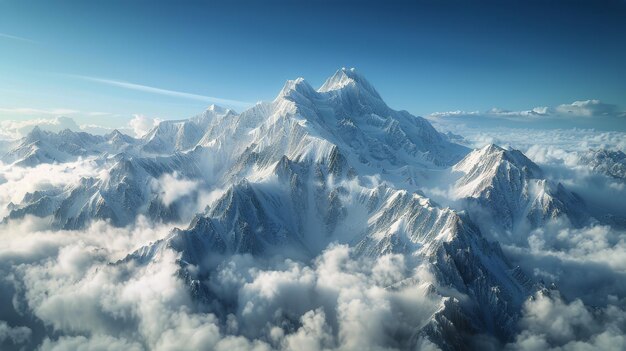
(15, 129)
(100, 130)
(141, 124)
(339, 302)
(585, 263)
(454, 113)
(314, 334)
(173, 187)
(588, 108)
(568, 139)
(18, 335)
(94, 343)
(15, 181)
(585, 108)
(550, 323)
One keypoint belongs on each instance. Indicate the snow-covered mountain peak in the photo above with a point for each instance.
(608, 162)
(348, 78)
(181, 135)
(217, 109)
(211, 113)
(512, 190)
(115, 133)
(484, 167)
(35, 134)
(491, 156)
(490, 148)
(294, 88)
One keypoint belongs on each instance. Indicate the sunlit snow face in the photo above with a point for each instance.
(67, 289)
(15, 182)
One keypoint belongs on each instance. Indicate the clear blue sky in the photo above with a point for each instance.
(59, 56)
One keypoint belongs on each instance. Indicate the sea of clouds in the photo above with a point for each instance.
(587, 265)
(73, 290)
(68, 290)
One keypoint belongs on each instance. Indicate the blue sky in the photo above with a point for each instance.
(103, 61)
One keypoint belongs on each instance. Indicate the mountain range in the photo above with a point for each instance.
(313, 168)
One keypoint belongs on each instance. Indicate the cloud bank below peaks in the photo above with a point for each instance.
(11, 130)
(66, 281)
(588, 114)
(585, 108)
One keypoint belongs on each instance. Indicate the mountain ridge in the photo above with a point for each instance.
(296, 175)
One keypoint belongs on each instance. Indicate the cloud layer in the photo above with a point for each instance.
(586, 264)
(11, 130)
(582, 108)
(66, 290)
(337, 302)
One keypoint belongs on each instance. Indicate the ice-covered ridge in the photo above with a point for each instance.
(482, 167)
(505, 190)
(348, 77)
(310, 168)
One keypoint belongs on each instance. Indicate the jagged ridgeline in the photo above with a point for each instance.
(309, 169)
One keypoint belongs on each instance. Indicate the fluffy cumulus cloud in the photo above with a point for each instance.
(584, 264)
(588, 108)
(17, 335)
(12, 129)
(16, 182)
(80, 289)
(550, 323)
(141, 124)
(66, 281)
(76, 289)
(583, 108)
(172, 187)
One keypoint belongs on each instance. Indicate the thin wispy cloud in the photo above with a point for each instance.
(581, 108)
(99, 113)
(15, 37)
(160, 91)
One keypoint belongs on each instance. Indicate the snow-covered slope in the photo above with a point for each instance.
(310, 169)
(171, 136)
(303, 207)
(505, 190)
(608, 162)
(125, 188)
(41, 146)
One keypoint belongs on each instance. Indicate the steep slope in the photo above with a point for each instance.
(348, 112)
(290, 177)
(608, 162)
(41, 146)
(304, 206)
(45, 147)
(505, 190)
(127, 187)
(364, 120)
(171, 136)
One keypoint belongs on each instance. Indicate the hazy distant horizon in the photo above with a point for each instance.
(106, 61)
